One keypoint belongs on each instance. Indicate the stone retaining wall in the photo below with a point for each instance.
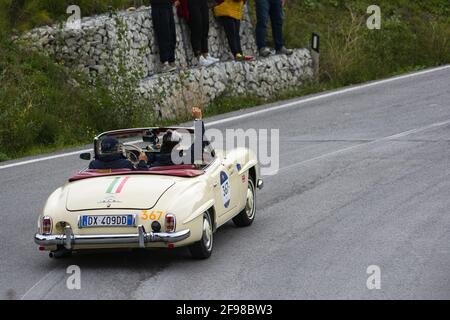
(174, 94)
(127, 38)
(103, 39)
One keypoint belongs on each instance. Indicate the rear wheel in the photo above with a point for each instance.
(247, 216)
(204, 248)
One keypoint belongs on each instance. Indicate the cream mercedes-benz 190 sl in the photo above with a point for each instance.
(169, 204)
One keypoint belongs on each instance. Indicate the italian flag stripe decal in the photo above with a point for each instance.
(122, 184)
(117, 185)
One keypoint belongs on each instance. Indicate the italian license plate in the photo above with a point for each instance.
(107, 221)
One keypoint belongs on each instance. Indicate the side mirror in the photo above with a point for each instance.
(85, 156)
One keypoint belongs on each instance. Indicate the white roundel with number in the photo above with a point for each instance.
(225, 188)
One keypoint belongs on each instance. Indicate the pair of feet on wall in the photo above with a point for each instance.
(243, 57)
(266, 51)
(205, 60)
(168, 67)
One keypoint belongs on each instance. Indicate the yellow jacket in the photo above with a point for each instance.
(230, 8)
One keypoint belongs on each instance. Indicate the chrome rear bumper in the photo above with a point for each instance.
(68, 240)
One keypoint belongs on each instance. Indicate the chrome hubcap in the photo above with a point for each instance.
(207, 234)
(250, 206)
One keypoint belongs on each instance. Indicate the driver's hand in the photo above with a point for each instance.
(143, 157)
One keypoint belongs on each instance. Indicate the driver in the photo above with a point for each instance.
(112, 157)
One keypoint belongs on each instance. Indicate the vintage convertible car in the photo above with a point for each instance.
(167, 206)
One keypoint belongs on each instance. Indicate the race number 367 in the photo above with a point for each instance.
(226, 189)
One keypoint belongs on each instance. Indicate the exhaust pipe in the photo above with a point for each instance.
(61, 253)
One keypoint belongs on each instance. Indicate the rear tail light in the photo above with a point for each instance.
(46, 225)
(171, 223)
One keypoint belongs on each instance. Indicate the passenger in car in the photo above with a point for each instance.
(170, 141)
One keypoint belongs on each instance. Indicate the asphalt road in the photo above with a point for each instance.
(364, 180)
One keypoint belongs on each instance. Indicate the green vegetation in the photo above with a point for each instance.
(413, 34)
(26, 14)
(43, 106)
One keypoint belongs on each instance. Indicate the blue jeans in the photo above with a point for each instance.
(266, 9)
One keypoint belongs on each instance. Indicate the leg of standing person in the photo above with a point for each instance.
(164, 23)
(237, 24)
(276, 19)
(160, 27)
(262, 17)
(230, 31)
(172, 35)
(196, 26)
(205, 34)
(205, 26)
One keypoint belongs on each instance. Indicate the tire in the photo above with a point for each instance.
(246, 217)
(203, 249)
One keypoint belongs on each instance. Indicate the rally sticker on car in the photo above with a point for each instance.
(226, 189)
(117, 185)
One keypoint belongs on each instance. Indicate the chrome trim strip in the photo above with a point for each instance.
(68, 240)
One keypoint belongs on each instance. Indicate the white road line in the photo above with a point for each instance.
(63, 155)
(254, 113)
(365, 144)
(44, 285)
(327, 95)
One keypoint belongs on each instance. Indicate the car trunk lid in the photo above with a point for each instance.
(117, 192)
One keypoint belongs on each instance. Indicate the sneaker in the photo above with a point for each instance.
(241, 57)
(265, 52)
(168, 67)
(173, 65)
(203, 62)
(211, 58)
(285, 51)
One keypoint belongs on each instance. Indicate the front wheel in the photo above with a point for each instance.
(203, 249)
(247, 216)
